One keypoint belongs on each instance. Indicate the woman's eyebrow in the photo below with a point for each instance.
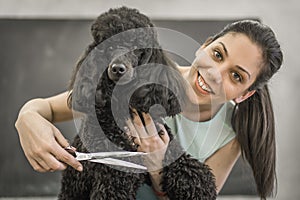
(242, 69)
(224, 48)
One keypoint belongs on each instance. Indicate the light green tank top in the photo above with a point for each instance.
(200, 139)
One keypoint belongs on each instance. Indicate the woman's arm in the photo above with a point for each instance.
(41, 141)
(222, 162)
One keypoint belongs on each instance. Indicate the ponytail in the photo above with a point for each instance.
(253, 121)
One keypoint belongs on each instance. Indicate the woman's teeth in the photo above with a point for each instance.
(203, 85)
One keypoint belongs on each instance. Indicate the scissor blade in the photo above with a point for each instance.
(88, 156)
(116, 154)
(112, 161)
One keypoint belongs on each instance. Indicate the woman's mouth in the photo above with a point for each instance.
(202, 86)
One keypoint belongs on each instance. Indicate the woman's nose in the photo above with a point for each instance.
(214, 74)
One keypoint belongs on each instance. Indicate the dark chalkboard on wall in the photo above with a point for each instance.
(36, 60)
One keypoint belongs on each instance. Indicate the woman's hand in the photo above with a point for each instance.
(42, 142)
(148, 139)
(154, 141)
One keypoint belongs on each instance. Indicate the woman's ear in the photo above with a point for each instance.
(244, 96)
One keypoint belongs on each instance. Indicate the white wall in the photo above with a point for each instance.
(282, 16)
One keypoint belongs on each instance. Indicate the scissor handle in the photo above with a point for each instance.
(70, 149)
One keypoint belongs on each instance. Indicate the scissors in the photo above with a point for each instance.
(108, 157)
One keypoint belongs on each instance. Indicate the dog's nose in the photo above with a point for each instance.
(118, 69)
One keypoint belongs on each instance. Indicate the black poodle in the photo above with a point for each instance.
(125, 68)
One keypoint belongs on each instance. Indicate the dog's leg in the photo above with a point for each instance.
(185, 177)
(115, 184)
(75, 185)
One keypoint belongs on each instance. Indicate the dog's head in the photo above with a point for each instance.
(109, 24)
(119, 51)
(124, 49)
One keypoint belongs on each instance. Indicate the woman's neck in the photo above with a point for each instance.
(200, 113)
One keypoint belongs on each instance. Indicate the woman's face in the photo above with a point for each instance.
(224, 70)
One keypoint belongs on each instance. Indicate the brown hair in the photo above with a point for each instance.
(253, 119)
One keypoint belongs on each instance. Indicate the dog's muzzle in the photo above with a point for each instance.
(120, 73)
(118, 70)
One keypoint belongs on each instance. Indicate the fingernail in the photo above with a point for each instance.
(158, 124)
(133, 110)
(127, 119)
(161, 132)
(80, 168)
(68, 147)
(62, 167)
(126, 128)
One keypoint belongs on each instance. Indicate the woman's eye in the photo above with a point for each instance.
(218, 55)
(237, 77)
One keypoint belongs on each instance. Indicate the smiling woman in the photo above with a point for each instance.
(253, 118)
(235, 65)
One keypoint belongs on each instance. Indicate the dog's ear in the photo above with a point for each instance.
(173, 79)
(145, 56)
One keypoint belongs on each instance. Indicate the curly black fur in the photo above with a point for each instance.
(184, 178)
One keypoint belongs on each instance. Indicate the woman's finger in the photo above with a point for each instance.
(54, 164)
(131, 132)
(64, 144)
(36, 166)
(62, 155)
(163, 133)
(60, 138)
(149, 125)
(139, 126)
(43, 164)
